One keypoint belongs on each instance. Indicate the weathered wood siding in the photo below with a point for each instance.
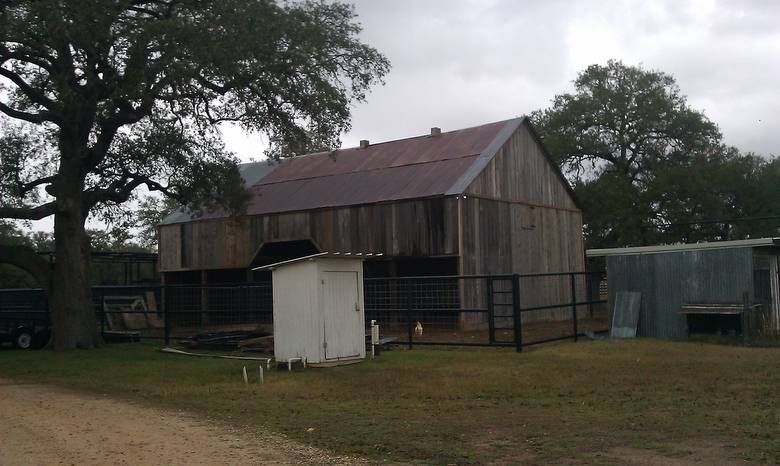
(501, 237)
(426, 227)
(518, 217)
(169, 247)
(521, 172)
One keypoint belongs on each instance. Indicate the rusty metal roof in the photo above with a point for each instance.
(422, 166)
(417, 167)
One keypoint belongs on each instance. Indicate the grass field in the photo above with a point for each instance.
(589, 402)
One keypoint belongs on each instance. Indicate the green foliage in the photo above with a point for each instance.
(10, 276)
(150, 212)
(101, 97)
(642, 159)
(135, 93)
(117, 239)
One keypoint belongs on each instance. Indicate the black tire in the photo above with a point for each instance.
(23, 338)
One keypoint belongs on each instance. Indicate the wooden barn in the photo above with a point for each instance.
(480, 200)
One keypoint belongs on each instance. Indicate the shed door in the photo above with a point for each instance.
(341, 314)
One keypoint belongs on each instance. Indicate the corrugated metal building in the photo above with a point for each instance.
(669, 277)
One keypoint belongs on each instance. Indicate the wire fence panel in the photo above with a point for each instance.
(498, 310)
(195, 310)
(487, 310)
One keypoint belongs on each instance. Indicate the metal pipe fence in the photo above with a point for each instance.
(511, 310)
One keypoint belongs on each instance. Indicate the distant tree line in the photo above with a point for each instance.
(649, 168)
(115, 239)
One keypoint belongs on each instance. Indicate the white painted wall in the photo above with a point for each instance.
(318, 301)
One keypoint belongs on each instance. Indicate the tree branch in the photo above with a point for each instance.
(36, 118)
(34, 94)
(120, 190)
(43, 62)
(27, 187)
(28, 213)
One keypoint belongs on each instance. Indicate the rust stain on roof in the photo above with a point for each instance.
(417, 167)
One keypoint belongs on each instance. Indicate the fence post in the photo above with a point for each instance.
(745, 318)
(102, 308)
(409, 311)
(166, 312)
(589, 280)
(516, 312)
(491, 312)
(574, 305)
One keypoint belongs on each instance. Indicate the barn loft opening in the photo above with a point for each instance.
(279, 251)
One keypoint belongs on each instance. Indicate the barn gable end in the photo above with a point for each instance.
(519, 215)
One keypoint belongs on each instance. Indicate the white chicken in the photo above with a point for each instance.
(418, 329)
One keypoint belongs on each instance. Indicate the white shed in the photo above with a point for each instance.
(318, 308)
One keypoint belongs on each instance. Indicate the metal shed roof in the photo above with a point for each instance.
(321, 255)
(417, 167)
(746, 243)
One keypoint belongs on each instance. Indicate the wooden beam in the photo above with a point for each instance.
(525, 203)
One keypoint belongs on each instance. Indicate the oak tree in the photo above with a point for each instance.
(101, 97)
(622, 134)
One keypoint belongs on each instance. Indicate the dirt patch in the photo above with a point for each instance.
(40, 424)
(680, 455)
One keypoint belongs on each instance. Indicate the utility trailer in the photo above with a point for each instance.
(24, 318)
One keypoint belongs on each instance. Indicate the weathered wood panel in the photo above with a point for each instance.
(170, 243)
(501, 237)
(519, 217)
(426, 227)
(521, 172)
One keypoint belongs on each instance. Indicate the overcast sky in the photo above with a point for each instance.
(462, 63)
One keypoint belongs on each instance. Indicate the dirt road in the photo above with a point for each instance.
(44, 425)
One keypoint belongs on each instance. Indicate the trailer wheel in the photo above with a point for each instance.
(23, 338)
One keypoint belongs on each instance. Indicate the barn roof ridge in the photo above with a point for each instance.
(261, 183)
(417, 167)
(421, 136)
(369, 156)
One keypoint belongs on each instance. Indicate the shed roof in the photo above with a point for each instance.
(321, 255)
(417, 167)
(745, 243)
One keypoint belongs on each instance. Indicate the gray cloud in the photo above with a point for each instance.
(462, 63)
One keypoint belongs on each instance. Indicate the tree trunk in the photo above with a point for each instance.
(73, 320)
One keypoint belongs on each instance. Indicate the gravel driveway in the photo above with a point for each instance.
(41, 424)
